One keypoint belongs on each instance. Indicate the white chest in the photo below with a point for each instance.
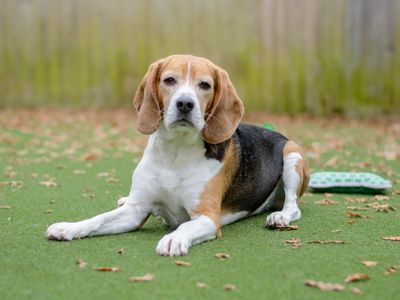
(172, 176)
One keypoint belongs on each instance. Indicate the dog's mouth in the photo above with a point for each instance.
(182, 123)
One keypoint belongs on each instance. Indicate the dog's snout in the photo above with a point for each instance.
(185, 104)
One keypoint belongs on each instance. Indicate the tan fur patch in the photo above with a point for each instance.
(214, 191)
(301, 166)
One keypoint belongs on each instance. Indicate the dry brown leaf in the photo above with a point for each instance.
(368, 263)
(229, 287)
(183, 263)
(112, 180)
(48, 183)
(108, 269)
(391, 238)
(103, 174)
(356, 291)
(352, 221)
(121, 251)
(332, 162)
(357, 208)
(335, 242)
(295, 242)
(327, 202)
(381, 198)
(380, 207)
(201, 285)
(350, 214)
(324, 286)
(285, 228)
(391, 270)
(91, 156)
(5, 206)
(328, 195)
(222, 256)
(356, 200)
(144, 278)
(81, 263)
(356, 277)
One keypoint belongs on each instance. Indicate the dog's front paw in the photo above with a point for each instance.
(173, 244)
(278, 219)
(61, 231)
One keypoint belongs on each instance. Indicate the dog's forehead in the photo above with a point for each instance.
(196, 66)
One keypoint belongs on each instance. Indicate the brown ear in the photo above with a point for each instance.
(147, 102)
(225, 111)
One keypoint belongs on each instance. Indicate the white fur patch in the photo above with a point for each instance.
(229, 218)
(291, 179)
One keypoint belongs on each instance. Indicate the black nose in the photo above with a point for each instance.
(185, 104)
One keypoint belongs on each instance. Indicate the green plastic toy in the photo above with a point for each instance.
(348, 182)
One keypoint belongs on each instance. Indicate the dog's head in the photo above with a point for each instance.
(187, 91)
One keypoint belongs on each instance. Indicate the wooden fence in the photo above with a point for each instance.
(316, 56)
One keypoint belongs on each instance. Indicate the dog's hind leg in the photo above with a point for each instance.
(295, 178)
(123, 219)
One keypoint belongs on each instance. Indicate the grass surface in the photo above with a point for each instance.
(90, 155)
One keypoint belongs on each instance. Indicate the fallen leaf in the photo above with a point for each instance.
(112, 180)
(324, 286)
(5, 206)
(222, 256)
(144, 278)
(381, 198)
(357, 208)
(103, 174)
(108, 269)
(295, 242)
(352, 221)
(332, 162)
(77, 172)
(380, 207)
(336, 242)
(356, 200)
(91, 156)
(391, 270)
(369, 263)
(81, 263)
(391, 238)
(328, 195)
(229, 287)
(285, 228)
(327, 202)
(356, 291)
(351, 214)
(356, 277)
(121, 251)
(183, 263)
(48, 183)
(201, 285)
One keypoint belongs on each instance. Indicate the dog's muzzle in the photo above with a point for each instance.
(184, 106)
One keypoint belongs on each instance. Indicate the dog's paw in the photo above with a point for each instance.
(173, 245)
(278, 219)
(121, 201)
(61, 231)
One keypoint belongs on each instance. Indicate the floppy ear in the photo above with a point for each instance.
(225, 110)
(147, 102)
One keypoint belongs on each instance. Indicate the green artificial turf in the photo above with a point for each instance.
(90, 157)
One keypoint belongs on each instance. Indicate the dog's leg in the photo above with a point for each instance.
(295, 179)
(199, 229)
(125, 218)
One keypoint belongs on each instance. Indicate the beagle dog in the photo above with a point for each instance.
(201, 169)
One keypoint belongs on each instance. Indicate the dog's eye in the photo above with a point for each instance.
(204, 85)
(169, 81)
